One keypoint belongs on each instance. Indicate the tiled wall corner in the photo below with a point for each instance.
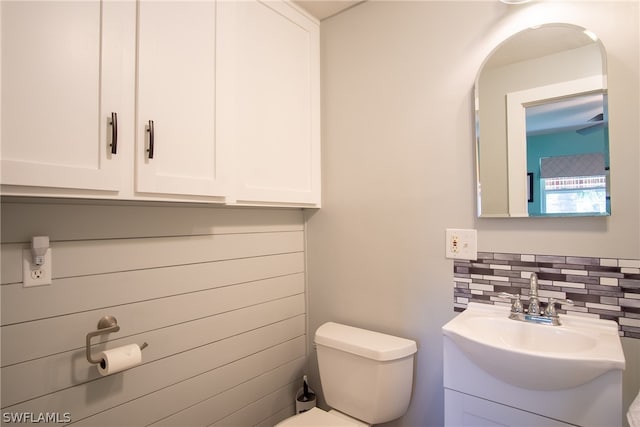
(607, 288)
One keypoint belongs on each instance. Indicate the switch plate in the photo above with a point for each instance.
(461, 243)
(35, 275)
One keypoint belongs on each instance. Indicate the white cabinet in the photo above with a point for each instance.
(269, 69)
(461, 409)
(475, 397)
(177, 149)
(230, 88)
(62, 80)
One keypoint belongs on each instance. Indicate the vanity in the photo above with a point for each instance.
(503, 371)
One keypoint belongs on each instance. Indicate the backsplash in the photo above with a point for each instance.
(608, 288)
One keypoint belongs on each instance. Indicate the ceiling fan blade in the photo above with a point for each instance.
(590, 129)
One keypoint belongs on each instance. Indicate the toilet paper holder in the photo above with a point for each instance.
(106, 325)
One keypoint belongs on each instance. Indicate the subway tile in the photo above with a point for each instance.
(551, 294)
(527, 258)
(550, 270)
(573, 308)
(480, 287)
(574, 272)
(583, 260)
(496, 278)
(606, 314)
(625, 321)
(570, 285)
(630, 284)
(598, 306)
(608, 262)
(609, 300)
(551, 259)
(507, 257)
(480, 271)
(625, 302)
(609, 281)
(485, 255)
(633, 263)
(603, 273)
(604, 291)
(630, 271)
(584, 280)
(575, 291)
(507, 273)
(550, 276)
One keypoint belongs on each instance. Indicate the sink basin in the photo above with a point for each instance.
(535, 356)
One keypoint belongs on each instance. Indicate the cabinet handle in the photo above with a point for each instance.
(114, 133)
(151, 137)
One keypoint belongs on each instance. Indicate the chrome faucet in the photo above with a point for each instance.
(534, 302)
(534, 313)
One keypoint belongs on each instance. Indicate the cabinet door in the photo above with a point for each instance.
(274, 55)
(62, 79)
(177, 98)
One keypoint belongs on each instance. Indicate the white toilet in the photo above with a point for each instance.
(366, 377)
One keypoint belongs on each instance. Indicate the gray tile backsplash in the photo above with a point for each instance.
(607, 288)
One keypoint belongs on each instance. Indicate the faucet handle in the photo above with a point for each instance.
(516, 304)
(551, 307)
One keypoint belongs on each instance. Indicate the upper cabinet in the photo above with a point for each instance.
(161, 100)
(63, 92)
(269, 67)
(177, 148)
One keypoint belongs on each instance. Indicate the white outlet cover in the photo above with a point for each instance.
(461, 243)
(27, 262)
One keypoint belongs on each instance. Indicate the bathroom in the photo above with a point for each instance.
(396, 97)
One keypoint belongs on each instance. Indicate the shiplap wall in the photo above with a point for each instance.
(217, 293)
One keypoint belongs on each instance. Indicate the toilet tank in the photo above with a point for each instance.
(364, 374)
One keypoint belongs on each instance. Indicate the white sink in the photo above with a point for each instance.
(535, 356)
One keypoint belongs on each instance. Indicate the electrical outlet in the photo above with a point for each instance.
(35, 275)
(461, 244)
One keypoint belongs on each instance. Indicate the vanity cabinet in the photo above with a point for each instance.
(475, 397)
(182, 101)
(462, 409)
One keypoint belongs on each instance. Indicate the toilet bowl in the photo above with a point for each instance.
(366, 377)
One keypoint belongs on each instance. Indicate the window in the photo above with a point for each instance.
(585, 194)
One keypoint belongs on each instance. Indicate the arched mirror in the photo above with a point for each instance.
(542, 134)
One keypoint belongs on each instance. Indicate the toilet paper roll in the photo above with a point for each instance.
(120, 358)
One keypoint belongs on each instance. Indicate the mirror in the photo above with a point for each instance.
(542, 135)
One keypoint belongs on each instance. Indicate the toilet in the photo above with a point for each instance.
(366, 377)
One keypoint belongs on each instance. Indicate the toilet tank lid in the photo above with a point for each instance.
(365, 343)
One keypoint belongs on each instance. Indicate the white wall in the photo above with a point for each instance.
(398, 165)
(217, 293)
